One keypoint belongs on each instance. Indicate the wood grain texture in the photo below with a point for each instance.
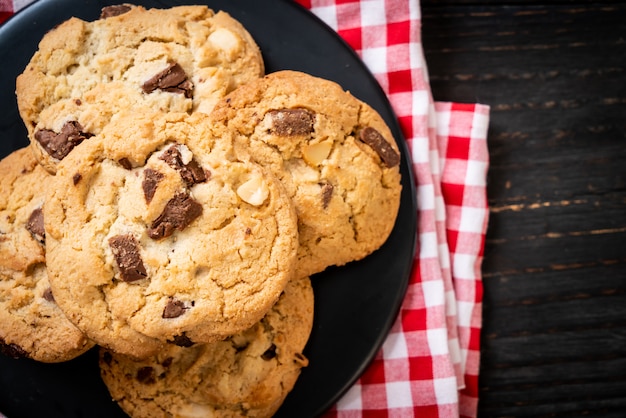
(554, 74)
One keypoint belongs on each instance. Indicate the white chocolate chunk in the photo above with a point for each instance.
(253, 191)
(194, 410)
(185, 153)
(225, 40)
(314, 154)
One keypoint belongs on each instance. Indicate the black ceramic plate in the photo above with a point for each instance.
(355, 304)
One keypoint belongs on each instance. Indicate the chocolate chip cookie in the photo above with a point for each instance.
(334, 154)
(181, 59)
(248, 374)
(31, 323)
(156, 232)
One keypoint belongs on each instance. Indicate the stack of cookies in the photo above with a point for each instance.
(174, 203)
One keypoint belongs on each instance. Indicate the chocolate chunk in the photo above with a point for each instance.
(12, 350)
(172, 79)
(47, 295)
(167, 362)
(173, 309)
(76, 178)
(114, 10)
(292, 122)
(181, 340)
(58, 145)
(191, 172)
(34, 225)
(150, 182)
(146, 375)
(178, 213)
(375, 140)
(126, 251)
(327, 194)
(125, 162)
(270, 353)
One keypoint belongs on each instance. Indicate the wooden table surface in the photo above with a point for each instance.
(554, 74)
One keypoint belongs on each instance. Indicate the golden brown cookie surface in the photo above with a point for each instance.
(248, 374)
(31, 323)
(334, 154)
(156, 234)
(181, 59)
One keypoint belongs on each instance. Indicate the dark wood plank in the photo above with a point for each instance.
(530, 287)
(554, 74)
(545, 320)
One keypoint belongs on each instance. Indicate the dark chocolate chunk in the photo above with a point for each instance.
(172, 79)
(47, 295)
(76, 178)
(375, 140)
(178, 213)
(146, 375)
(34, 225)
(292, 122)
(114, 10)
(125, 162)
(58, 145)
(173, 309)
(151, 179)
(126, 251)
(327, 194)
(270, 353)
(12, 350)
(181, 340)
(191, 172)
(167, 362)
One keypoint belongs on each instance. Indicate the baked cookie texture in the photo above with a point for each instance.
(31, 323)
(334, 154)
(181, 59)
(246, 375)
(156, 233)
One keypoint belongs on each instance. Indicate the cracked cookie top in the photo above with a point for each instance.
(31, 323)
(181, 59)
(248, 374)
(156, 234)
(333, 153)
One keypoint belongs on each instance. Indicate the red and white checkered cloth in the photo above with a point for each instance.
(429, 364)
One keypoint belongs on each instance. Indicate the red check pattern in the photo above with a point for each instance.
(429, 364)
